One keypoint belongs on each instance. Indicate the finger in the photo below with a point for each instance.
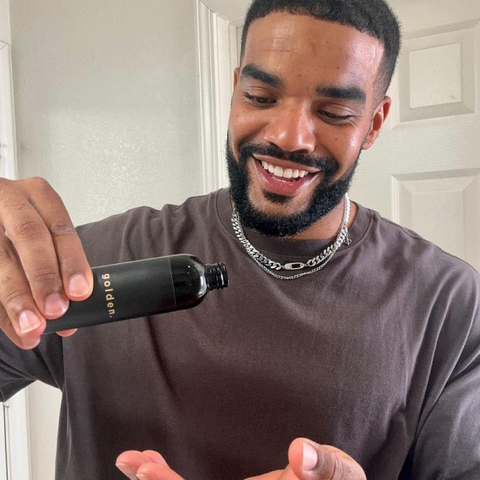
(26, 343)
(155, 471)
(136, 458)
(75, 270)
(275, 475)
(67, 333)
(20, 318)
(33, 244)
(129, 462)
(311, 461)
(154, 456)
(287, 474)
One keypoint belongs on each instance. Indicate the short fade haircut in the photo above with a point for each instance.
(373, 17)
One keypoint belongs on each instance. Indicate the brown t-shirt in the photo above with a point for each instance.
(377, 354)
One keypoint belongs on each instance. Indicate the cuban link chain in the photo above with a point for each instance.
(317, 263)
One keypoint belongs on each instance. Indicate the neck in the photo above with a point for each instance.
(328, 226)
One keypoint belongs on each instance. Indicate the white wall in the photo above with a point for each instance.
(107, 101)
(106, 98)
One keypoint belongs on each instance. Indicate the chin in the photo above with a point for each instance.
(278, 205)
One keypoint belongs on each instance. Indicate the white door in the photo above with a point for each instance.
(424, 170)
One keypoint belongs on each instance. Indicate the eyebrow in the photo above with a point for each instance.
(253, 71)
(354, 94)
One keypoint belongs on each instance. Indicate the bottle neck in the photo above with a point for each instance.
(216, 274)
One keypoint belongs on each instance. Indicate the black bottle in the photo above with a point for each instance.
(140, 288)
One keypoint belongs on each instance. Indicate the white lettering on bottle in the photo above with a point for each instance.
(108, 297)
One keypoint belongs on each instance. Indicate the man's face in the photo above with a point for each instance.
(303, 108)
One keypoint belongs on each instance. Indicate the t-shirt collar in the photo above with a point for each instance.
(294, 249)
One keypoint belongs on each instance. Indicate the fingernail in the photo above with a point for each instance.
(310, 457)
(67, 333)
(142, 476)
(78, 286)
(28, 321)
(127, 470)
(55, 305)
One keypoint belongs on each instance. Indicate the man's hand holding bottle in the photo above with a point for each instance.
(42, 262)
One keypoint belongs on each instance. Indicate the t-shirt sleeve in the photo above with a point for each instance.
(19, 368)
(447, 444)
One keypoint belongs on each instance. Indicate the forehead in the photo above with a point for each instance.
(304, 44)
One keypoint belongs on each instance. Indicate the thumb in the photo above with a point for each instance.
(311, 461)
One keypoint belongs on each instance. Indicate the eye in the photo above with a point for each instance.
(333, 117)
(259, 101)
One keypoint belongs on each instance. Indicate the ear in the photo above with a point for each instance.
(236, 76)
(378, 120)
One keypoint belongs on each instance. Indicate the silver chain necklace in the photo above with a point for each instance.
(317, 263)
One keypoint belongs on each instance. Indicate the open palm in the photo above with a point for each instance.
(307, 461)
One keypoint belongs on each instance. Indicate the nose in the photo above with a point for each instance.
(291, 129)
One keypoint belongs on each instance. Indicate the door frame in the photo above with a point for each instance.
(15, 411)
(218, 56)
(8, 160)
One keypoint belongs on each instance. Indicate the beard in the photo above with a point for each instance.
(326, 196)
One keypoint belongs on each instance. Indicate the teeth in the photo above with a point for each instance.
(287, 173)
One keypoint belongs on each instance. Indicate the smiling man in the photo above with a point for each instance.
(347, 347)
(306, 102)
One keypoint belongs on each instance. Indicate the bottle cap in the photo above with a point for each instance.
(216, 274)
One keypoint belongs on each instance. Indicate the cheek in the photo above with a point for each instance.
(345, 147)
(241, 123)
(353, 147)
(244, 123)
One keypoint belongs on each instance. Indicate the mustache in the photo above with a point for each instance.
(328, 165)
